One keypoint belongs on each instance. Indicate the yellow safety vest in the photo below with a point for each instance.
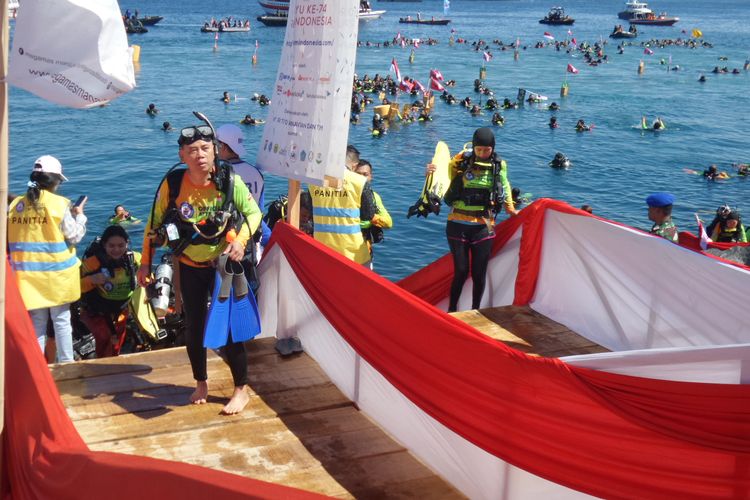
(46, 267)
(336, 217)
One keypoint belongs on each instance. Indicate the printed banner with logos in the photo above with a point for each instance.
(306, 132)
(71, 52)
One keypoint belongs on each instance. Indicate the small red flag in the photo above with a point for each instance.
(572, 69)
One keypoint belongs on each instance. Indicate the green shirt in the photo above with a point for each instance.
(666, 230)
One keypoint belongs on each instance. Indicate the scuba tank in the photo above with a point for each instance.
(162, 287)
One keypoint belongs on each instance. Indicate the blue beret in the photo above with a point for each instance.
(660, 200)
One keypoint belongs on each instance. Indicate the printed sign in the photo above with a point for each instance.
(306, 132)
(71, 52)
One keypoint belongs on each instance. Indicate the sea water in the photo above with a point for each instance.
(117, 154)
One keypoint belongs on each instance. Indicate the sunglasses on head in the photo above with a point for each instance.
(189, 135)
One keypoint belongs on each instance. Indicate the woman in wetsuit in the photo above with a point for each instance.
(478, 190)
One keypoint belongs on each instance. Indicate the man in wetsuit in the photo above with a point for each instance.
(198, 202)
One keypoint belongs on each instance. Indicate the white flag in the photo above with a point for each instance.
(307, 128)
(71, 52)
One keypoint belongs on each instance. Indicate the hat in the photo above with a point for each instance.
(231, 135)
(483, 137)
(660, 200)
(49, 164)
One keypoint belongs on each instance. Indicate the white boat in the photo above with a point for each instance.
(634, 8)
(280, 8)
(13, 6)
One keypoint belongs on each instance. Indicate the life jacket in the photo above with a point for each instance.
(727, 235)
(336, 217)
(474, 191)
(217, 227)
(46, 265)
(122, 272)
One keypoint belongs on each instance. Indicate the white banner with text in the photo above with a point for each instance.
(306, 132)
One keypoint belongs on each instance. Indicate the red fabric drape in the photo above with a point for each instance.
(44, 457)
(604, 434)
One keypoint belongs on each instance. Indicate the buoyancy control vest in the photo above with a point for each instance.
(207, 232)
(475, 190)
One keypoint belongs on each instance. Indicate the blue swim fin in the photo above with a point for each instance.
(216, 332)
(244, 321)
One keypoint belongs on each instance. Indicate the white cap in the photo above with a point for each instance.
(49, 164)
(231, 135)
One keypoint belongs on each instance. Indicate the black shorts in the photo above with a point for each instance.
(468, 233)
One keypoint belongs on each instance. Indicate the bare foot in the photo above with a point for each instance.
(238, 401)
(198, 397)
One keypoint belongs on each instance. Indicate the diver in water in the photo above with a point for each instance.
(498, 119)
(582, 127)
(553, 123)
(560, 161)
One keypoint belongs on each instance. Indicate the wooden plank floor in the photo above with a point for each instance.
(298, 429)
(528, 331)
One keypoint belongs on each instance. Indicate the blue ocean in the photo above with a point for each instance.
(117, 154)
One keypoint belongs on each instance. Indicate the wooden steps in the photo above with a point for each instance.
(528, 331)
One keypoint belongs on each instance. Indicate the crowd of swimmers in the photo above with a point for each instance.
(227, 22)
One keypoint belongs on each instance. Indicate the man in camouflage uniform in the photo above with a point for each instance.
(660, 212)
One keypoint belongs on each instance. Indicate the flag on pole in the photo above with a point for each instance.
(419, 86)
(416, 43)
(574, 43)
(85, 70)
(648, 51)
(436, 74)
(446, 7)
(487, 56)
(398, 36)
(548, 35)
(406, 85)
(702, 231)
(256, 45)
(436, 85)
(394, 68)
(570, 32)
(518, 42)
(403, 43)
(572, 69)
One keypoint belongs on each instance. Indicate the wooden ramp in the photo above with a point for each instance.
(528, 331)
(298, 429)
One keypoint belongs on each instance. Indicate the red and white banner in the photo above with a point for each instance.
(436, 74)
(466, 404)
(395, 70)
(436, 85)
(419, 86)
(572, 69)
(548, 35)
(487, 56)
(648, 51)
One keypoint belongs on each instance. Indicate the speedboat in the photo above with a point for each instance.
(557, 16)
(419, 20)
(150, 20)
(633, 8)
(618, 32)
(652, 19)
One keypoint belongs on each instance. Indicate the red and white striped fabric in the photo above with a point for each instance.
(395, 70)
(436, 85)
(548, 35)
(471, 407)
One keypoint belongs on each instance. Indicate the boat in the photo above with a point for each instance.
(633, 8)
(652, 19)
(150, 20)
(13, 6)
(221, 28)
(269, 20)
(557, 16)
(419, 20)
(619, 32)
(280, 18)
(581, 344)
(134, 27)
(280, 8)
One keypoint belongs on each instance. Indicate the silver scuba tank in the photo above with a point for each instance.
(162, 288)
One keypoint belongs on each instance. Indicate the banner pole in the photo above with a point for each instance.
(4, 42)
(292, 208)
